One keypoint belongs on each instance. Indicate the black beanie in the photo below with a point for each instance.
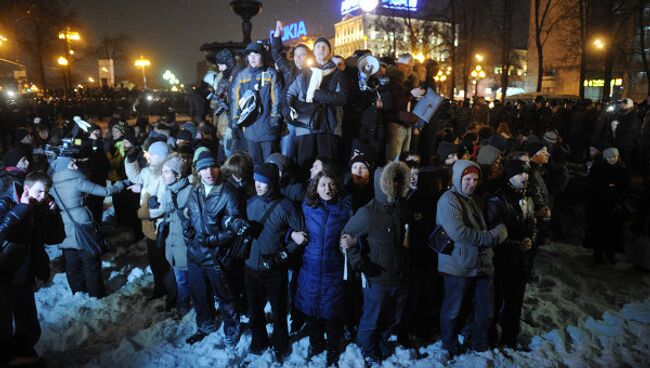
(533, 148)
(515, 167)
(13, 156)
(204, 160)
(362, 158)
(21, 133)
(447, 148)
(185, 135)
(266, 173)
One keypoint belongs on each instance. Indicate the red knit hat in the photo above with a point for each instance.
(471, 170)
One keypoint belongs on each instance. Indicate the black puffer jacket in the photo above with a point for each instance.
(207, 215)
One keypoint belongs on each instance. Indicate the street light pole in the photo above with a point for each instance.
(143, 63)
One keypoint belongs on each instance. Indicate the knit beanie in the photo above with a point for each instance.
(550, 136)
(159, 148)
(598, 144)
(498, 142)
(533, 148)
(362, 158)
(515, 167)
(281, 161)
(21, 133)
(13, 156)
(610, 152)
(446, 148)
(184, 135)
(205, 159)
(487, 155)
(266, 173)
(470, 170)
(176, 164)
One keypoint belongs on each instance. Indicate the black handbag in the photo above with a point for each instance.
(305, 115)
(440, 242)
(89, 235)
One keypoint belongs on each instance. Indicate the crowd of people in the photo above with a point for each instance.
(309, 188)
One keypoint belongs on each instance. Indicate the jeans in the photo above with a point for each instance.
(398, 140)
(182, 289)
(288, 142)
(84, 272)
(159, 266)
(318, 328)
(457, 290)
(377, 318)
(259, 151)
(206, 285)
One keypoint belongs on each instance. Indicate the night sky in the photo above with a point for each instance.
(170, 32)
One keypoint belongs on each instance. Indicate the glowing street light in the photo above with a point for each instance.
(62, 61)
(143, 63)
(478, 73)
(69, 35)
(599, 44)
(479, 58)
(91, 80)
(3, 39)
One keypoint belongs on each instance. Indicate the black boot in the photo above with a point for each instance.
(198, 336)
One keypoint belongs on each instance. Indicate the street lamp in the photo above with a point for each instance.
(478, 73)
(3, 39)
(479, 58)
(143, 63)
(68, 36)
(62, 61)
(599, 44)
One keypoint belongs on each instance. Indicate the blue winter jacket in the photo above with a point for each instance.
(320, 284)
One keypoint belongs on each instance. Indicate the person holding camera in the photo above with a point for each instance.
(70, 188)
(255, 105)
(27, 223)
(212, 210)
(276, 221)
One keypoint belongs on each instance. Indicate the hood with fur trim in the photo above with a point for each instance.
(457, 172)
(397, 173)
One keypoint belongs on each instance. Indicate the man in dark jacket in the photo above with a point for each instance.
(263, 130)
(233, 136)
(211, 207)
(278, 221)
(326, 87)
(468, 267)
(289, 71)
(538, 190)
(375, 242)
(512, 261)
(26, 226)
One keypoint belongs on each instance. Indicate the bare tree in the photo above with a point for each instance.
(548, 16)
(34, 25)
(112, 47)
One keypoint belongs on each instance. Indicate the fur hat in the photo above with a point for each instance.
(394, 180)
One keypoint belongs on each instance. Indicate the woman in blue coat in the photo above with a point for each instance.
(320, 293)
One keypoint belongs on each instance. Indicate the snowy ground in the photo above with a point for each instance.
(576, 315)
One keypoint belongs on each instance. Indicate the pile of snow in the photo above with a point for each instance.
(576, 314)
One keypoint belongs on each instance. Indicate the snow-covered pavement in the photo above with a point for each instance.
(576, 314)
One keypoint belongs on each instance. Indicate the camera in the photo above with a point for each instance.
(69, 147)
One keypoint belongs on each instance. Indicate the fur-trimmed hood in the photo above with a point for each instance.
(385, 192)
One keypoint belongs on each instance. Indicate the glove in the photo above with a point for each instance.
(153, 202)
(271, 261)
(132, 153)
(499, 234)
(239, 226)
(228, 134)
(189, 233)
(207, 240)
(127, 183)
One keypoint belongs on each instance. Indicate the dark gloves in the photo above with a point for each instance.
(238, 225)
(189, 233)
(153, 202)
(207, 240)
(132, 153)
(271, 261)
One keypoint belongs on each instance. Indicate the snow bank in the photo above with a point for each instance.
(575, 315)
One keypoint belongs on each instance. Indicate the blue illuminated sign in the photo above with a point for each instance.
(294, 30)
(348, 6)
